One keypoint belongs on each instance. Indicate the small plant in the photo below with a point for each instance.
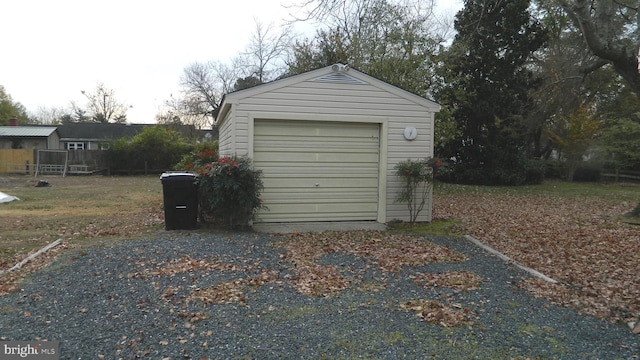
(417, 178)
(229, 189)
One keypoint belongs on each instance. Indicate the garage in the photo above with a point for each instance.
(318, 171)
(327, 142)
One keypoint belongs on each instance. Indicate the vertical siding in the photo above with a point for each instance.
(326, 101)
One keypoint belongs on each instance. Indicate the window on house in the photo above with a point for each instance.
(105, 146)
(75, 146)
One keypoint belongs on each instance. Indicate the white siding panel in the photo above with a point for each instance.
(335, 96)
(226, 136)
(401, 150)
(317, 171)
(372, 104)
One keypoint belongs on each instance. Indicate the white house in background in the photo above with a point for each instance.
(327, 142)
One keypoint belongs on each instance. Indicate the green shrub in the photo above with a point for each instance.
(153, 149)
(534, 171)
(158, 148)
(201, 155)
(120, 156)
(229, 189)
(584, 172)
(554, 169)
(587, 172)
(513, 170)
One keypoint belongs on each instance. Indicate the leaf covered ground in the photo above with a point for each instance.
(315, 276)
(577, 239)
(203, 294)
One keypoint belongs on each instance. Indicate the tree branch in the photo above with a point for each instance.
(595, 65)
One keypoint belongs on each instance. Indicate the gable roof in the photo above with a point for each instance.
(26, 131)
(98, 131)
(111, 131)
(333, 73)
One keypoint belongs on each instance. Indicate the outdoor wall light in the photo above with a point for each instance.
(340, 67)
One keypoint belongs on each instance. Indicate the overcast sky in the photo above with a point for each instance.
(54, 49)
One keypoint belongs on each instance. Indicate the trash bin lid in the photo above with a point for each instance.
(177, 176)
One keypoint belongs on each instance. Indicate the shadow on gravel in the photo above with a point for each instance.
(249, 296)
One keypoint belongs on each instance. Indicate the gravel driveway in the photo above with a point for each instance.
(146, 298)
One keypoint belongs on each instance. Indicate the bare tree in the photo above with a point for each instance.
(346, 13)
(103, 107)
(51, 116)
(202, 87)
(204, 84)
(168, 117)
(265, 49)
(227, 74)
(323, 10)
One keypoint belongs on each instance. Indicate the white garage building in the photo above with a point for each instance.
(327, 142)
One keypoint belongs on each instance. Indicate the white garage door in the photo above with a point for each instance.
(317, 171)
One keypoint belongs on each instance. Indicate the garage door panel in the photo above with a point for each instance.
(341, 158)
(303, 144)
(302, 140)
(321, 208)
(313, 213)
(312, 217)
(298, 143)
(311, 159)
(309, 185)
(314, 129)
(330, 169)
(317, 200)
(358, 154)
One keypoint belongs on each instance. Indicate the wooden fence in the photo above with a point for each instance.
(631, 176)
(24, 161)
(17, 161)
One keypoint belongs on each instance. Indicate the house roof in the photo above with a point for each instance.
(99, 131)
(336, 72)
(110, 131)
(26, 131)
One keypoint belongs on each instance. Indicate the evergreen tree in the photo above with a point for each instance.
(488, 89)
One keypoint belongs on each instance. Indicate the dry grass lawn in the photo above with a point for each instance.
(73, 209)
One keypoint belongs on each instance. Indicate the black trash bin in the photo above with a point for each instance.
(180, 193)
